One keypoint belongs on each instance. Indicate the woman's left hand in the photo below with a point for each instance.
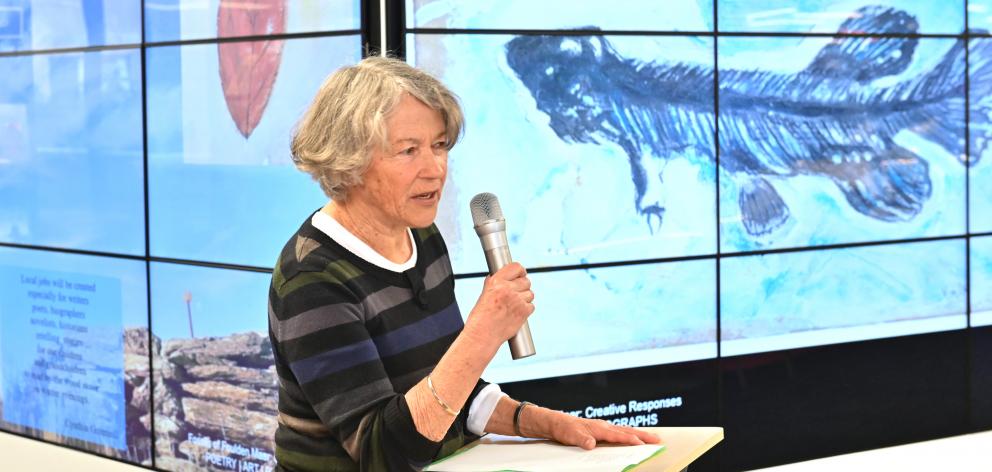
(586, 433)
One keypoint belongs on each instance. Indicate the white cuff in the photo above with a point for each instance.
(482, 408)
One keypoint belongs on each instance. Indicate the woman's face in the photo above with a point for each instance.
(402, 187)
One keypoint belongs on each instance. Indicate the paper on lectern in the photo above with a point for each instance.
(500, 453)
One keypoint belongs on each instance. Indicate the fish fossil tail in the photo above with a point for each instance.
(941, 91)
(980, 96)
(947, 81)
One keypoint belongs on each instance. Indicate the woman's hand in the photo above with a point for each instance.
(586, 433)
(504, 305)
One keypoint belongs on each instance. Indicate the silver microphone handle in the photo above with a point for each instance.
(497, 252)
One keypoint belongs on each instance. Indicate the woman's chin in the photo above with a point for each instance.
(423, 218)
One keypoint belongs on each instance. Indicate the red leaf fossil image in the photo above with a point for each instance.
(248, 69)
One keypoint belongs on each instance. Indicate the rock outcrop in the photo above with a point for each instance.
(216, 403)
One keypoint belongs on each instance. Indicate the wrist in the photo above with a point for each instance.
(481, 339)
(517, 413)
(538, 422)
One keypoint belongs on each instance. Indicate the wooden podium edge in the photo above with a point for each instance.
(701, 449)
(683, 462)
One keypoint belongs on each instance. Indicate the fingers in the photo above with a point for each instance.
(521, 284)
(506, 301)
(528, 310)
(648, 438)
(515, 277)
(586, 433)
(588, 437)
(511, 271)
(578, 437)
(617, 436)
(624, 435)
(641, 435)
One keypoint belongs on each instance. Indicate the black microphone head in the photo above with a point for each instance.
(485, 207)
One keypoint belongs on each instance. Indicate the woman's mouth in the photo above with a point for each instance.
(426, 196)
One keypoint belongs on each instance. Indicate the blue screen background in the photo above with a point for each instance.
(208, 183)
(584, 137)
(564, 203)
(84, 96)
(72, 151)
(981, 281)
(685, 190)
(174, 20)
(31, 25)
(117, 314)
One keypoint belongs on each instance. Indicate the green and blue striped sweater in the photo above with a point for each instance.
(350, 338)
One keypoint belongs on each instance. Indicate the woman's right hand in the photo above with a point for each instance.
(504, 305)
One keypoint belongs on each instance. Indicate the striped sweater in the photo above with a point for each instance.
(350, 338)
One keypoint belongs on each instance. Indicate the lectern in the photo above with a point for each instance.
(683, 445)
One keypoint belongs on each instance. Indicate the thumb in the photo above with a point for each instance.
(576, 437)
(588, 443)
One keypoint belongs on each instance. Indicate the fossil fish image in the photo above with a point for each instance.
(827, 120)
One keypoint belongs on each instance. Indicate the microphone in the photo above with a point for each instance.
(491, 228)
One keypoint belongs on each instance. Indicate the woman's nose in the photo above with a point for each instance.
(435, 161)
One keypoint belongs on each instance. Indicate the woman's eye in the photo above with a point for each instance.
(440, 144)
(410, 151)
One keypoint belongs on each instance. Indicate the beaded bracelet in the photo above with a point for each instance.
(441, 402)
(516, 417)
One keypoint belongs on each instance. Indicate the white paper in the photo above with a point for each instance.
(500, 453)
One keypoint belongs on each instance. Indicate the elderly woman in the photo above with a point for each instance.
(377, 370)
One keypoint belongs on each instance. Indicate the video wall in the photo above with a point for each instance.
(145, 190)
(798, 174)
(701, 179)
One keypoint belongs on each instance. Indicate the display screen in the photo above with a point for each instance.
(981, 281)
(71, 151)
(706, 193)
(813, 156)
(979, 15)
(175, 20)
(32, 25)
(980, 72)
(611, 318)
(74, 359)
(823, 16)
(562, 167)
(81, 279)
(216, 401)
(627, 148)
(222, 186)
(671, 15)
(784, 301)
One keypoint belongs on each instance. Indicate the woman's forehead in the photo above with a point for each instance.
(414, 120)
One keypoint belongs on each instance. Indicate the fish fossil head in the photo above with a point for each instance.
(563, 74)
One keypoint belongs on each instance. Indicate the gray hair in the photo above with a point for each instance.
(334, 140)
